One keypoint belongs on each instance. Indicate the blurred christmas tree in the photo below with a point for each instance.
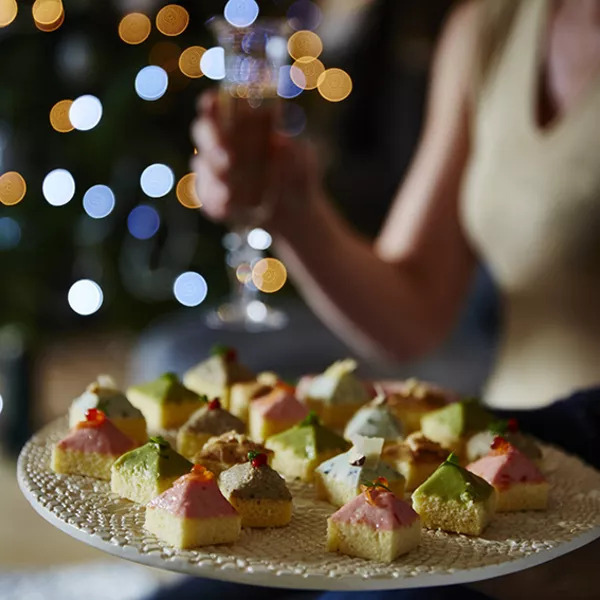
(46, 248)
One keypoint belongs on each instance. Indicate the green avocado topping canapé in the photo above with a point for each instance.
(309, 438)
(154, 459)
(167, 389)
(450, 481)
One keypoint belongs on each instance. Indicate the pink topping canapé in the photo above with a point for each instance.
(505, 466)
(280, 405)
(103, 437)
(193, 497)
(385, 511)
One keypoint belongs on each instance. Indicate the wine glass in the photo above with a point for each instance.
(253, 58)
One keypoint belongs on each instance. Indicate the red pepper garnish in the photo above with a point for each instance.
(214, 404)
(286, 387)
(368, 489)
(512, 426)
(500, 445)
(257, 459)
(201, 473)
(93, 418)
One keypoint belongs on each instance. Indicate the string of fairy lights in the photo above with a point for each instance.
(305, 73)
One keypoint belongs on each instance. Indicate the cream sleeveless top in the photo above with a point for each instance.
(530, 206)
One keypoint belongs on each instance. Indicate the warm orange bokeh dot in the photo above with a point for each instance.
(189, 61)
(59, 116)
(269, 275)
(172, 19)
(8, 12)
(305, 44)
(48, 15)
(334, 85)
(186, 191)
(165, 55)
(305, 72)
(134, 28)
(12, 188)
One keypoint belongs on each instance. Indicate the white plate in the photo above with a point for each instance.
(295, 556)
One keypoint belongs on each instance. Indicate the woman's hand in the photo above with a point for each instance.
(245, 170)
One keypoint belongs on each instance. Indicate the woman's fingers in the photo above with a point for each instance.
(212, 191)
(210, 144)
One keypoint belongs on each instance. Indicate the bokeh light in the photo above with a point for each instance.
(305, 72)
(189, 61)
(286, 88)
(212, 63)
(8, 12)
(58, 187)
(172, 19)
(98, 201)
(134, 28)
(59, 116)
(157, 180)
(304, 14)
(48, 15)
(190, 288)
(243, 272)
(256, 311)
(305, 44)
(151, 83)
(269, 275)
(85, 112)
(143, 222)
(259, 239)
(186, 191)
(1, 404)
(10, 233)
(85, 297)
(165, 55)
(12, 188)
(241, 13)
(334, 85)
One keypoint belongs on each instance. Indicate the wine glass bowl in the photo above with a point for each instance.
(248, 107)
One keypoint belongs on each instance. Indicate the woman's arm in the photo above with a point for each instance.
(402, 294)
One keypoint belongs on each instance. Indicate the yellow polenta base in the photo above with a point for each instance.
(259, 428)
(523, 496)
(189, 444)
(75, 462)
(263, 513)
(162, 416)
(442, 434)
(334, 416)
(189, 533)
(288, 463)
(454, 516)
(414, 472)
(194, 383)
(133, 428)
(358, 539)
(240, 397)
(338, 493)
(138, 488)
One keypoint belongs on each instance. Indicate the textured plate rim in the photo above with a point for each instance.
(273, 579)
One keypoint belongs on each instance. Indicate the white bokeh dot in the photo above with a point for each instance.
(256, 311)
(157, 180)
(85, 297)
(151, 83)
(241, 13)
(190, 288)
(85, 112)
(259, 239)
(99, 201)
(212, 63)
(58, 187)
